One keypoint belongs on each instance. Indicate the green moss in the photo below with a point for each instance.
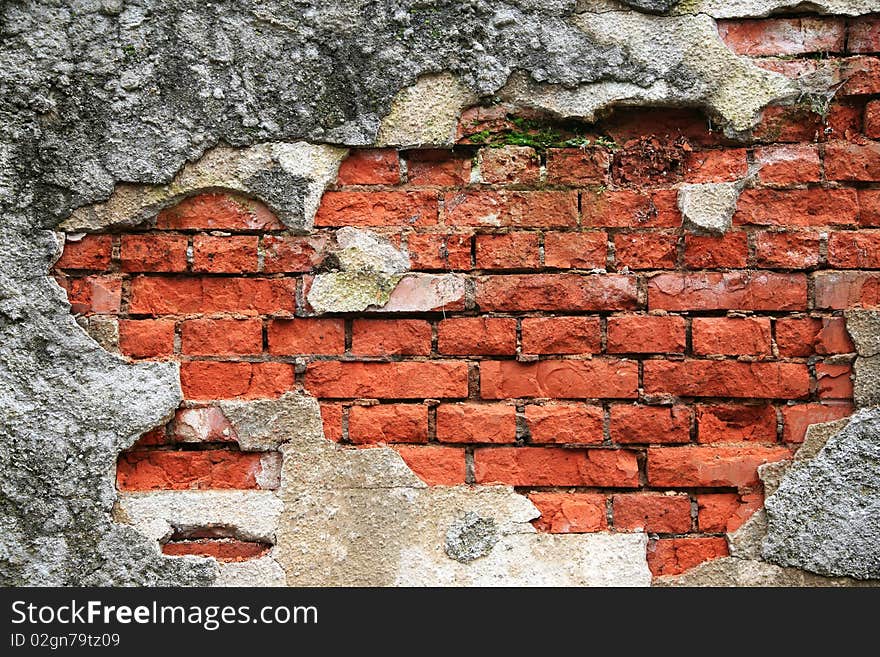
(538, 135)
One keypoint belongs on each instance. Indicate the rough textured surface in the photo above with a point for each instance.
(708, 207)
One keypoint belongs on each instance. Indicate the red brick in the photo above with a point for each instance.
(789, 123)
(292, 337)
(476, 423)
(374, 166)
(783, 36)
(642, 334)
(561, 335)
(218, 211)
(869, 207)
(93, 294)
(747, 336)
(556, 466)
(648, 161)
(631, 209)
(844, 120)
(424, 380)
(575, 250)
(437, 251)
(645, 250)
(225, 549)
(248, 296)
(844, 289)
(577, 166)
(437, 167)
(153, 252)
(834, 380)
(788, 164)
(436, 466)
(206, 469)
(726, 512)
(569, 513)
(206, 424)
(797, 207)
(146, 338)
(556, 292)
(377, 209)
(206, 337)
(735, 423)
(864, 35)
(854, 250)
(88, 252)
(697, 467)
(564, 379)
(872, 119)
(652, 512)
(510, 165)
(381, 337)
(833, 337)
(797, 418)
(285, 253)
(508, 251)
(331, 417)
(487, 336)
(798, 250)
(650, 424)
(862, 75)
(716, 166)
(668, 122)
(225, 255)
(671, 556)
(750, 290)
(520, 209)
(795, 337)
(572, 424)
(845, 160)
(388, 423)
(210, 380)
(711, 252)
(710, 378)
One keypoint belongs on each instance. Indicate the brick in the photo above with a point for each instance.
(377, 209)
(218, 211)
(232, 380)
(789, 123)
(517, 209)
(854, 250)
(508, 251)
(146, 338)
(838, 290)
(556, 466)
(833, 337)
(561, 335)
(292, 337)
(485, 336)
(735, 423)
(645, 250)
(569, 513)
(225, 549)
(331, 418)
(388, 423)
(570, 424)
(93, 294)
(726, 512)
(716, 165)
(697, 467)
(510, 165)
(157, 295)
(864, 35)
(872, 119)
(783, 36)
(225, 255)
(436, 466)
(796, 419)
(631, 209)
(153, 252)
(437, 167)
(711, 252)
(564, 379)
(750, 290)
(845, 160)
(476, 423)
(286, 253)
(201, 470)
(789, 250)
(575, 250)
(869, 207)
(370, 166)
(407, 380)
(795, 337)
(862, 75)
(206, 337)
(788, 164)
(436, 251)
(668, 122)
(642, 334)
(701, 378)
(672, 556)
(797, 207)
(747, 336)
(652, 512)
(89, 252)
(648, 161)
(206, 424)
(556, 292)
(650, 424)
(401, 337)
(578, 166)
(834, 380)
(844, 119)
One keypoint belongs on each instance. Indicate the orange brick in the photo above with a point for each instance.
(381, 337)
(726, 512)
(153, 252)
(206, 337)
(406, 380)
(596, 378)
(373, 166)
(218, 211)
(638, 334)
(575, 250)
(89, 252)
(561, 335)
(652, 512)
(750, 290)
(645, 250)
(556, 292)
(465, 336)
(146, 338)
(556, 466)
(713, 378)
(570, 513)
(436, 466)
(573, 424)
(519, 209)
(671, 556)
(711, 252)
(233, 380)
(734, 423)
(747, 336)
(291, 337)
(476, 423)
(508, 251)
(697, 467)
(388, 423)
(797, 418)
(377, 209)
(225, 255)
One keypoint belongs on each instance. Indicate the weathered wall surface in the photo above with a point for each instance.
(541, 238)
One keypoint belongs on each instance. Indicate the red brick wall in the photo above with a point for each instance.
(623, 373)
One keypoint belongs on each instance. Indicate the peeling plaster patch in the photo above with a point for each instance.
(759, 8)
(265, 424)
(864, 328)
(102, 329)
(264, 571)
(708, 207)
